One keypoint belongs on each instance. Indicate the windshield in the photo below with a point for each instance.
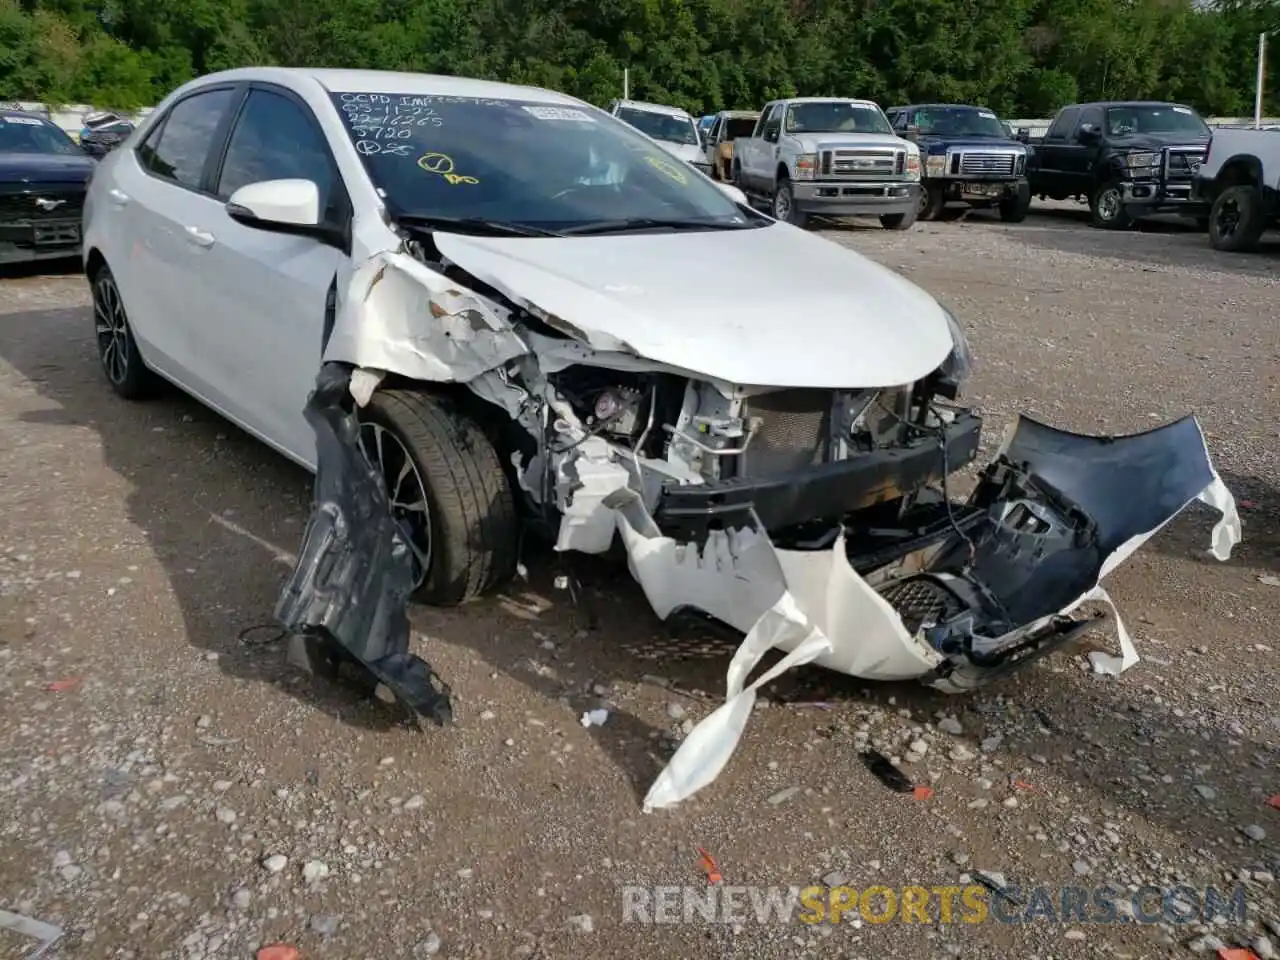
(1128, 121)
(660, 126)
(33, 135)
(836, 116)
(959, 122)
(736, 127)
(546, 165)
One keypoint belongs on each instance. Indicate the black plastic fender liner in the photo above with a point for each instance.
(355, 573)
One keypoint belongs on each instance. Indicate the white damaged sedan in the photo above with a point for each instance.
(476, 309)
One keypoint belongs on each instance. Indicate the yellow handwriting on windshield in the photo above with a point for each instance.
(441, 164)
(668, 168)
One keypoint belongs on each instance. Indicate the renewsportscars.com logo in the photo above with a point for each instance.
(972, 903)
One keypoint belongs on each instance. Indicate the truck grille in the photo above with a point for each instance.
(868, 164)
(987, 164)
(24, 208)
(795, 431)
(1183, 163)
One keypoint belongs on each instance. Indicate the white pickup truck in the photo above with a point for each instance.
(829, 156)
(1240, 177)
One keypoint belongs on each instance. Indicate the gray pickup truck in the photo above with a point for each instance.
(829, 156)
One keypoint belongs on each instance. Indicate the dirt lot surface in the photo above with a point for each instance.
(170, 787)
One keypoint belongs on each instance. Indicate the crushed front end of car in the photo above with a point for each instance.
(820, 522)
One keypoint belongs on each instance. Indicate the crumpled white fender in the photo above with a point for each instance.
(397, 314)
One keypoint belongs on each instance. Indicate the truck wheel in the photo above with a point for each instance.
(1014, 208)
(1107, 207)
(1236, 222)
(932, 202)
(448, 488)
(784, 206)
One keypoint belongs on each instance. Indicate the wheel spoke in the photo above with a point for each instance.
(406, 493)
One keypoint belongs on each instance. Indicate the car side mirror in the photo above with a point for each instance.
(1088, 133)
(912, 133)
(771, 135)
(283, 206)
(1023, 135)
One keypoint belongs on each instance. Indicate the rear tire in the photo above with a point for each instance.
(471, 527)
(117, 350)
(1106, 207)
(1014, 209)
(784, 205)
(1237, 221)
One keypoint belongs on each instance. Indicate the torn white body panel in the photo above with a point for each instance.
(399, 315)
(815, 607)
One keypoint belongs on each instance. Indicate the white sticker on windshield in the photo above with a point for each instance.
(1181, 109)
(25, 121)
(986, 114)
(559, 113)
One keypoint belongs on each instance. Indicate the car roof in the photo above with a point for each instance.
(739, 114)
(655, 108)
(949, 106)
(1133, 103)
(390, 81)
(27, 114)
(865, 103)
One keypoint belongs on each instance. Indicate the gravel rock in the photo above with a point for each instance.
(275, 863)
(583, 923)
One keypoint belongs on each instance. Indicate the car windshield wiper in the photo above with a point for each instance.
(503, 228)
(649, 223)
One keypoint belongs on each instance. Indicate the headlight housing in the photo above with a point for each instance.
(935, 165)
(1141, 162)
(806, 166)
(913, 164)
(959, 363)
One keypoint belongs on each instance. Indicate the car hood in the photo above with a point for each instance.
(813, 142)
(45, 167)
(688, 152)
(787, 309)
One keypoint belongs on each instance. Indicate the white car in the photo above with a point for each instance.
(674, 129)
(476, 309)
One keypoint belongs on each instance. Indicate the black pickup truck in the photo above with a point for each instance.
(1128, 159)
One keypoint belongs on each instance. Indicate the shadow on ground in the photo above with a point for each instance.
(221, 513)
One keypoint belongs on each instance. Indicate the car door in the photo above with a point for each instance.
(275, 286)
(1053, 154)
(1080, 160)
(748, 156)
(160, 193)
(711, 144)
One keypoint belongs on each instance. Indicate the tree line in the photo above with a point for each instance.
(1022, 58)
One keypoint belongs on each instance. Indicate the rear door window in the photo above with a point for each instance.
(179, 149)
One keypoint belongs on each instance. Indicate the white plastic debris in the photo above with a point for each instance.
(594, 718)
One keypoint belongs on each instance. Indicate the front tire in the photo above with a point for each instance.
(117, 350)
(1237, 221)
(448, 489)
(784, 205)
(1014, 208)
(1106, 207)
(933, 200)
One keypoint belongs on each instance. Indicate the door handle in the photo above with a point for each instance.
(201, 238)
(118, 197)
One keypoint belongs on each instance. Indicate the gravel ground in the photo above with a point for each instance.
(170, 787)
